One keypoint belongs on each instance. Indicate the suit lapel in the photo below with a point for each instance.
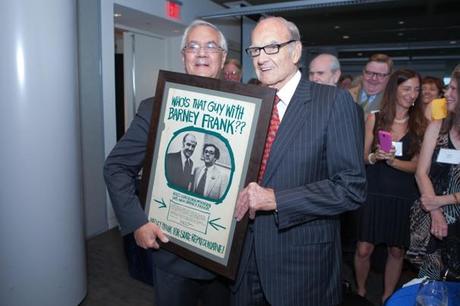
(292, 123)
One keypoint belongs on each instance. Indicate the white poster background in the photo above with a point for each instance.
(187, 219)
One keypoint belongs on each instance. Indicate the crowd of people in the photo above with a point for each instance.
(328, 157)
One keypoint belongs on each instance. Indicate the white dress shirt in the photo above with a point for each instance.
(286, 92)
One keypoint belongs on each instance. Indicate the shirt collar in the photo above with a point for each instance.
(287, 91)
(365, 96)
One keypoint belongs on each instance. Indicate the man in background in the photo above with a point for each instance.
(345, 81)
(232, 70)
(177, 281)
(325, 69)
(374, 80)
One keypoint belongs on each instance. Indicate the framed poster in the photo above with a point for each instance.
(205, 144)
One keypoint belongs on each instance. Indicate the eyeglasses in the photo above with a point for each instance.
(268, 49)
(371, 74)
(209, 47)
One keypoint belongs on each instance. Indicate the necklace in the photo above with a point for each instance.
(403, 120)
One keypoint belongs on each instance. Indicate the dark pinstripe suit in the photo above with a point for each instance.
(317, 171)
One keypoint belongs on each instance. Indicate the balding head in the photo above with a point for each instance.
(325, 69)
(275, 50)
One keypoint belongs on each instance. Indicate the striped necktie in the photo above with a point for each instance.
(364, 102)
(273, 128)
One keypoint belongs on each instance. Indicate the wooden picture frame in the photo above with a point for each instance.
(192, 118)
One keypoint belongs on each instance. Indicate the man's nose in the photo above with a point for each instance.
(261, 59)
(202, 52)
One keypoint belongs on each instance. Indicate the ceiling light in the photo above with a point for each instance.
(336, 27)
(116, 15)
(452, 42)
(345, 37)
(359, 54)
(401, 22)
(400, 34)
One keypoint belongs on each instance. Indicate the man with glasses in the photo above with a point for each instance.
(209, 181)
(374, 80)
(311, 172)
(177, 281)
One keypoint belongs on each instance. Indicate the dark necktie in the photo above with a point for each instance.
(200, 188)
(188, 167)
(273, 128)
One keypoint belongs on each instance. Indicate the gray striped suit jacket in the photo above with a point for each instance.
(317, 170)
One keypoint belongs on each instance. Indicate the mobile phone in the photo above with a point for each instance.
(385, 141)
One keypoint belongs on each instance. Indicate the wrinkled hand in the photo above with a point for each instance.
(438, 224)
(146, 236)
(429, 202)
(254, 198)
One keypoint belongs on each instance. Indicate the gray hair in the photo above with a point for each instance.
(335, 64)
(222, 41)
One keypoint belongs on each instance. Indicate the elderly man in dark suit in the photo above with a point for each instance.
(179, 165)
(314, 171)
(177, 281)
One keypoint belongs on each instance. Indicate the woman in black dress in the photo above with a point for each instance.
(390, 175)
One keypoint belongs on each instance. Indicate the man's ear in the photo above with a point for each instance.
(296, 53)
(337, 76)
(183, 59)
(224, 57)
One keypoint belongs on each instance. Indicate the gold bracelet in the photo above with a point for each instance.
(456, 198)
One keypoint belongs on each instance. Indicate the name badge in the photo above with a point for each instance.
(449, 156)
(398, 147)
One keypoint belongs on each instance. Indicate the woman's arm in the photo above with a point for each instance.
(438, 222)
(369, 157)
(431, 202)
(424, 161)
(407, 166)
